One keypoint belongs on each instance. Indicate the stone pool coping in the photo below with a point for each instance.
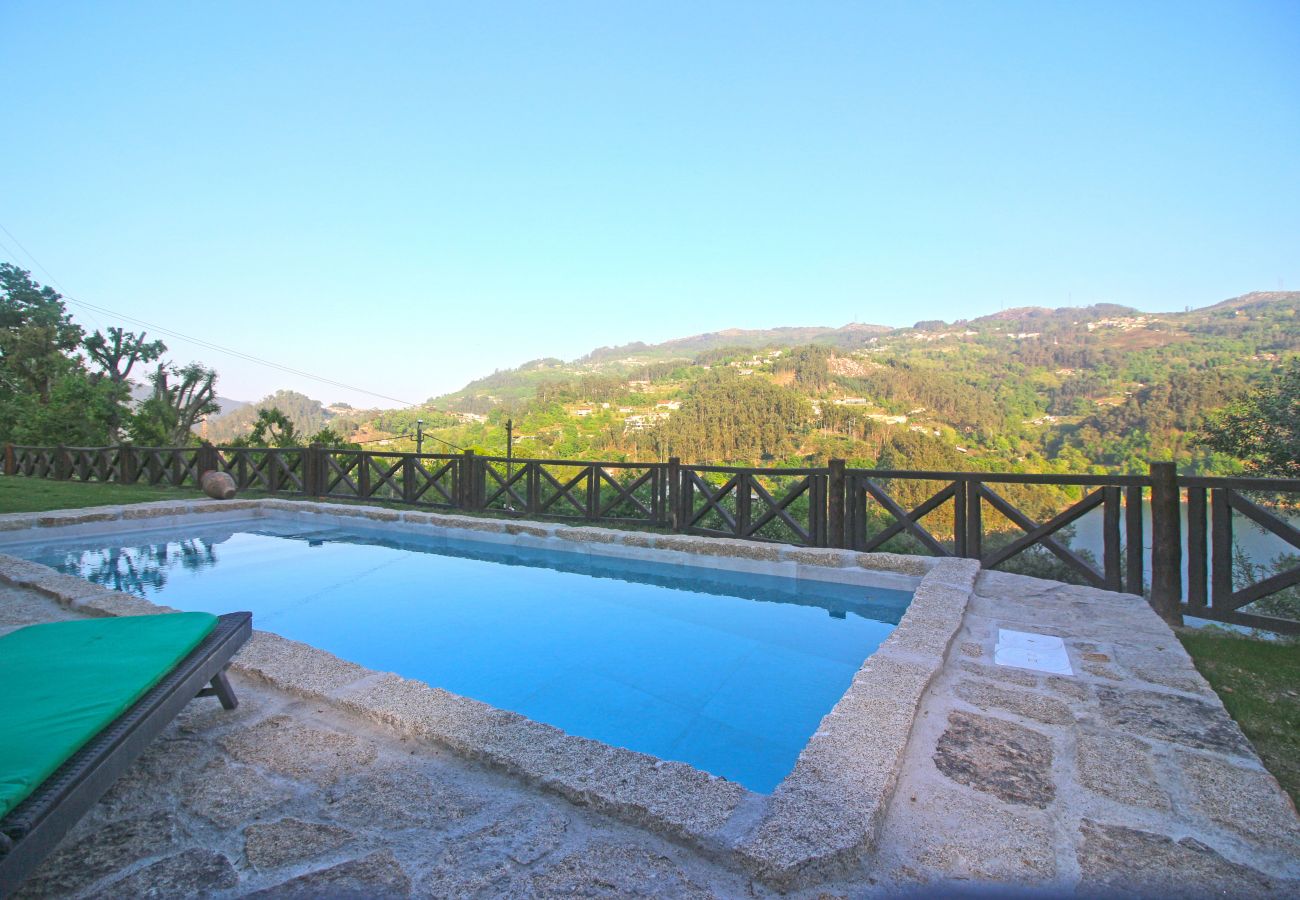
(819, 822)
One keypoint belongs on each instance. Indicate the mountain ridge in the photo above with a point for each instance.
(642, 353)
(1071, 389)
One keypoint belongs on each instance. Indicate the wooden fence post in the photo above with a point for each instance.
(363, 475)
(593, 492)
(62, 463)
(974, 520)
(674, 492)
(272, 465)
(308, 471)
(10, 467)
(1166, 543)
(533, 487)
(685, 500)
(128, 470)
(313, 471)
(1110, 553)
(468, 488)
(1134, 577)
(959, 504)
(744, 503)
(835, 503)
(207, 461)
(1220, 548)
(1198, 594)
(408, 478)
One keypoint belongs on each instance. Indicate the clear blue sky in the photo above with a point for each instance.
(403, 197)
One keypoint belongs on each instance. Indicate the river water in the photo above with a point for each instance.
(1260, 546)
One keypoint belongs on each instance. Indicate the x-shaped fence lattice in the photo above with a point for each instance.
(733, 503)
(967, 497)
(571, 491)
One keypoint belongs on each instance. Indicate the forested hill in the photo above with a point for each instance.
(308, 416)
(1030, 389)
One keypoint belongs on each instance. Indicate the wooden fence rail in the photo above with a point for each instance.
(945, 513)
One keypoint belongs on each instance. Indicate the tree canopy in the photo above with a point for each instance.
(727, 417)
(59, 386)
(1263, 428)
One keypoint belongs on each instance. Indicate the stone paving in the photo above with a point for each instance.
(1128, 777)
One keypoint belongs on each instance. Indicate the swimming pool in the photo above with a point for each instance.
(728, 671)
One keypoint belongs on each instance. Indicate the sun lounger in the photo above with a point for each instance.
(81, 700)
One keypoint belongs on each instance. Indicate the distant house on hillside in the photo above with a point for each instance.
(642, 422)
(1124, 323)
(581, 411)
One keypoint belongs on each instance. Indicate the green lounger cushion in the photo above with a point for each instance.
(62, 683)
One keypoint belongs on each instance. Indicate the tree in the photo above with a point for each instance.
(811, 366)
(306, 414)
(46, 395)
(182, 395)
(76, 413)
(1262, 429)
(328, 437)
(116, 355)
(726, 417)
(37, 335)
(272, 429)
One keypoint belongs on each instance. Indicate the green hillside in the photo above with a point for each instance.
(1034, 389)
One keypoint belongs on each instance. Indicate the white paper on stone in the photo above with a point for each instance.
(1040, 652)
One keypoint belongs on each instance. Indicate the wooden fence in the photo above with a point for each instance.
(967, 514)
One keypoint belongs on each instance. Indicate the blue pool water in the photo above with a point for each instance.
(728, 672)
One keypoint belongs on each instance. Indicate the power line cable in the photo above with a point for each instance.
(237, 353)
(8, 252)
(200, 341)
(256, 359)
(405, 432)
(29, 256)
(208, 344)
(37, 262)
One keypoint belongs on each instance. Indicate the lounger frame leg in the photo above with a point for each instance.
(221, 689)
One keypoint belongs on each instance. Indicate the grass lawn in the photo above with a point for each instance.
(18, 494)
(1259, 682)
